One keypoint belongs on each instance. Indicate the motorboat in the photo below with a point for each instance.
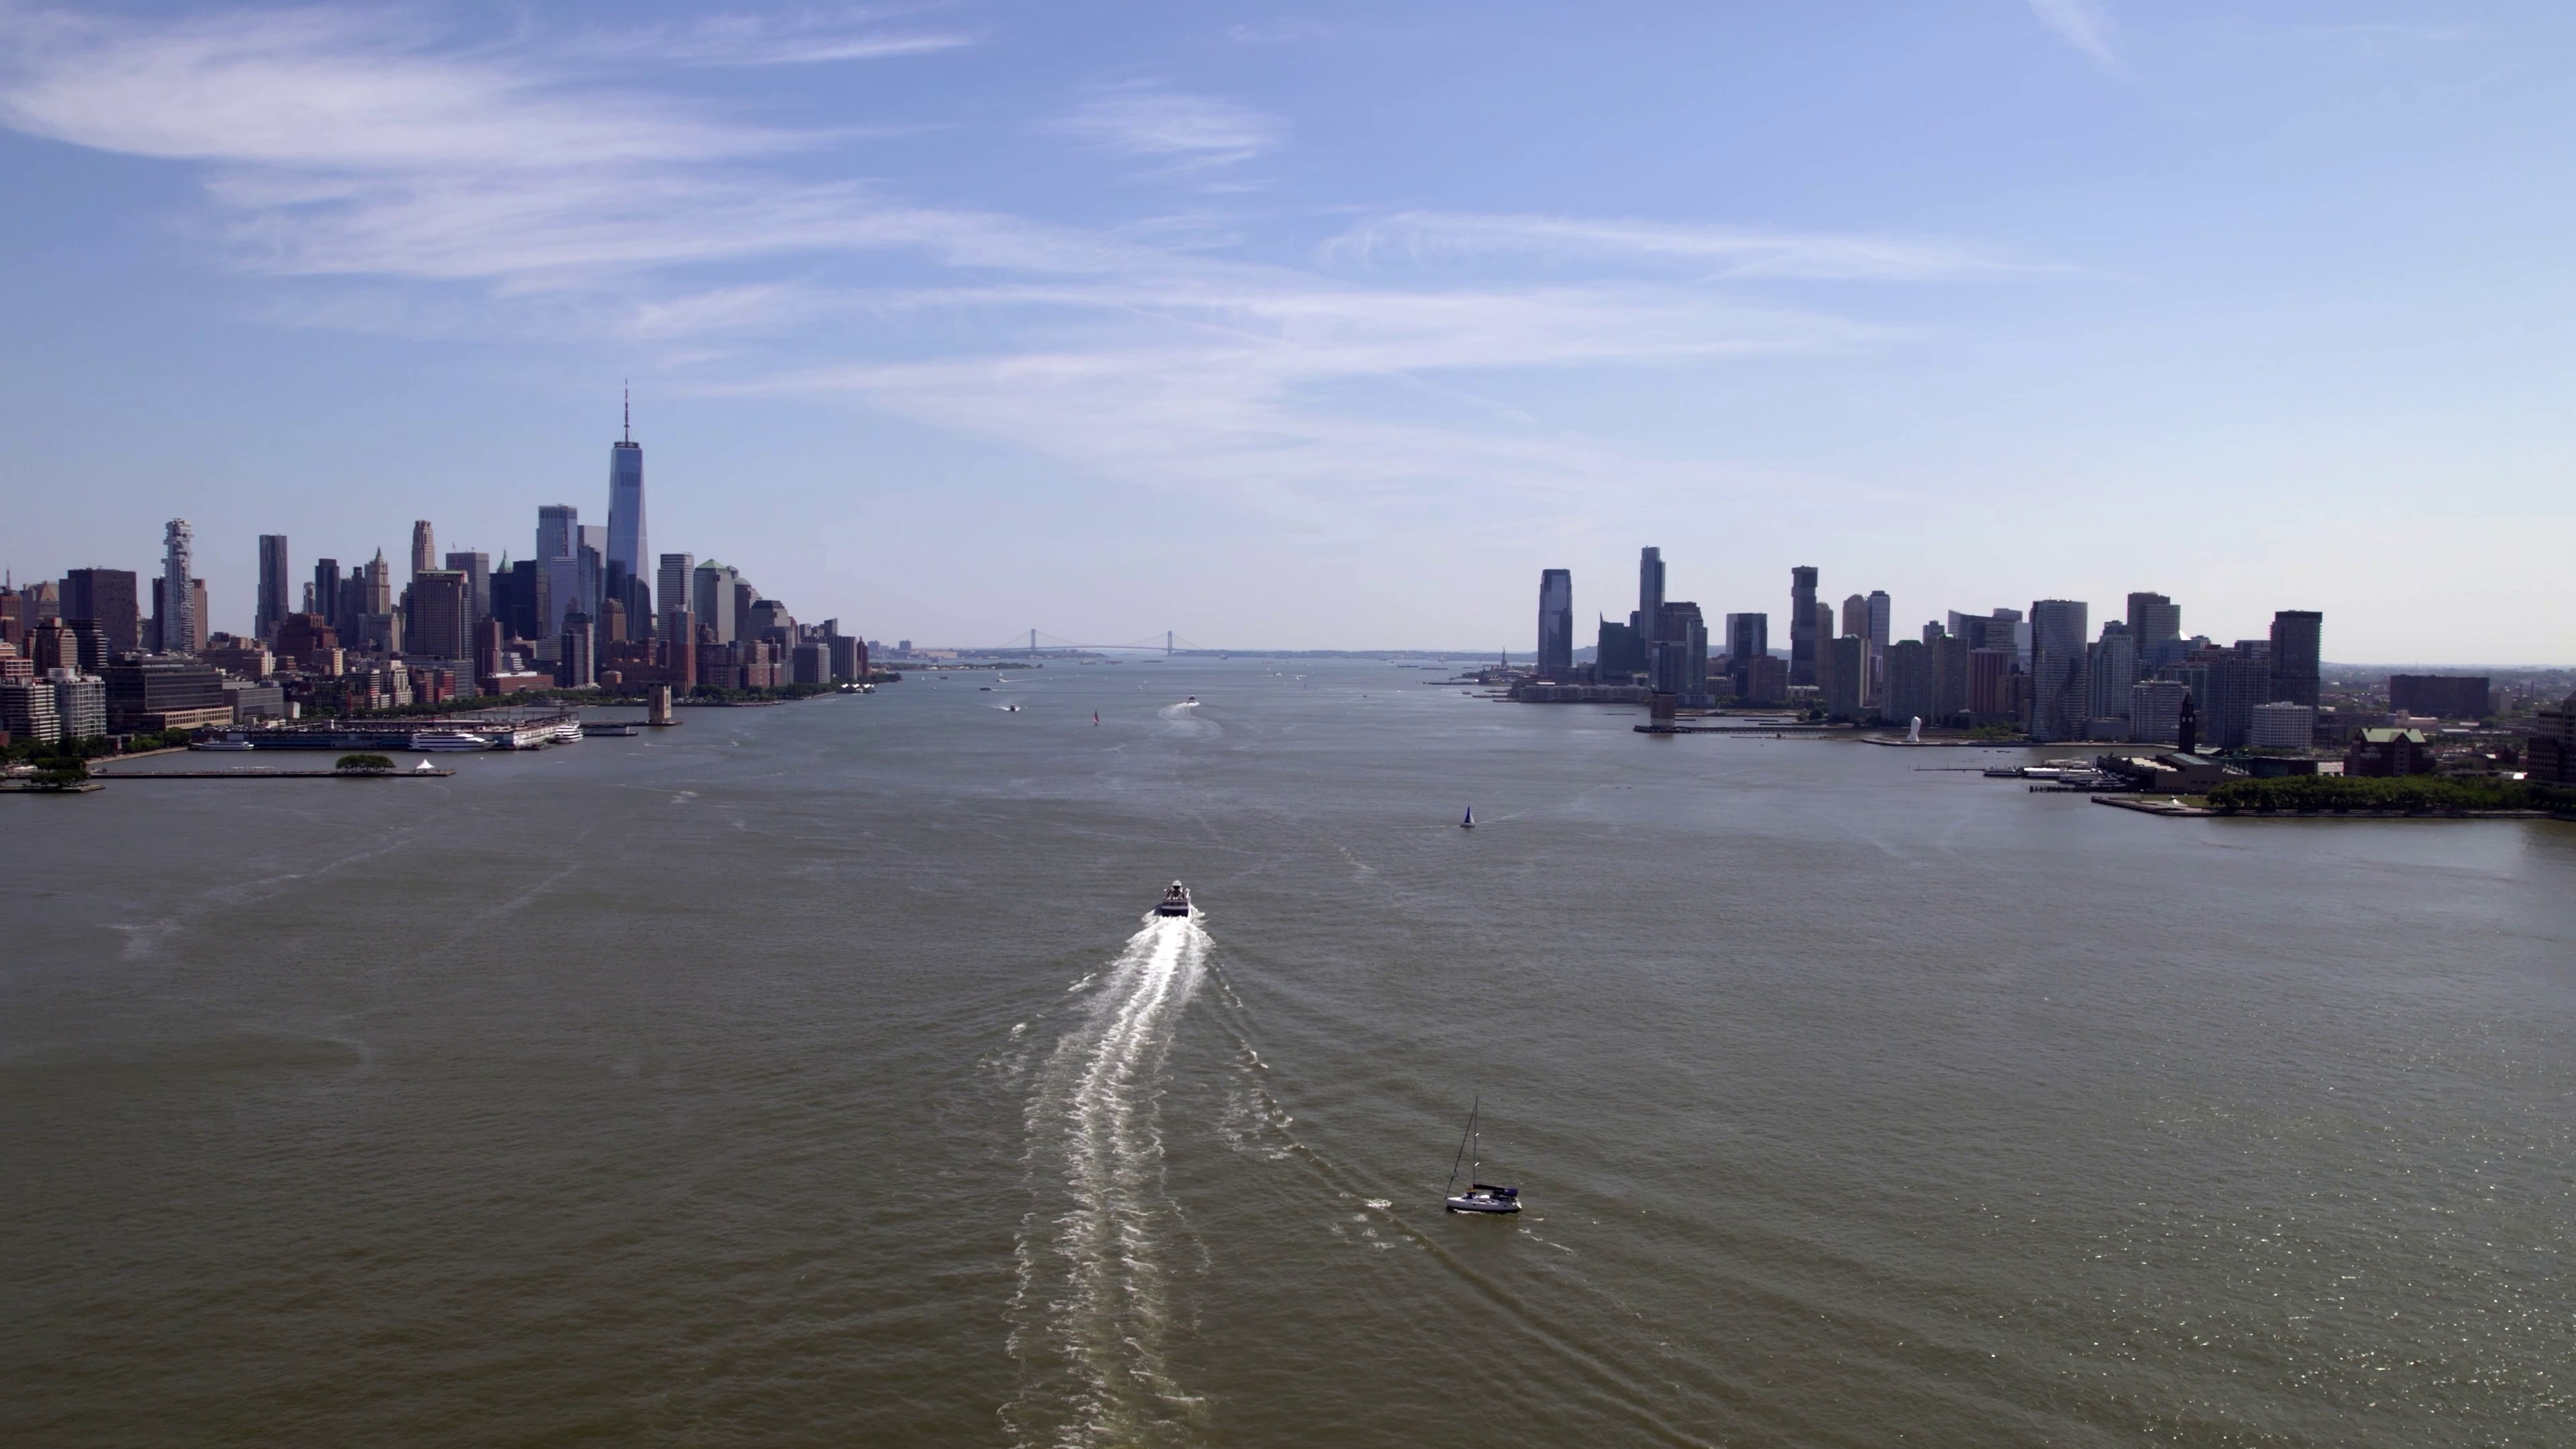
(1480, 1197)
(1175, 902)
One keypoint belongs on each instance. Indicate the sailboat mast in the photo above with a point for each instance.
(1462, 1144)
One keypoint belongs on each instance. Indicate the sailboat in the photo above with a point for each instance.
(1480, 1197)
(1470, 822)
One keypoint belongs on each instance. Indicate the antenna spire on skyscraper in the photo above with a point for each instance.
(626, 393)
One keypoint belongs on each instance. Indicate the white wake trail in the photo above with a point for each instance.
(1093, 1309)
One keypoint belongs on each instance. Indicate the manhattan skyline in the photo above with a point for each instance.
(1314, 329)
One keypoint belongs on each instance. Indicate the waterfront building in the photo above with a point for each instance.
(1619, 656)
(2155, 711)
(442, 619)
(576, 657)
(1748, 637)
(80, 703)
(2057, 700)
(1909, 682)
(2386, 753)
(163, 692)
(185, 638)
(2440, 696)
(272, 604)
(27, 711)
(2225, 685)
(1679, 661)
(307, 641)
(1766, 679)
(671, 590)
(2551, 758)
(1802, 626)
(712, 587)
(2155, 624)
(477, 568)
(1949, 673)
(1855, 616)
(424, 547)
(626, 546)
(110, 596)
(1556, 625)
(2110, 669)
(1849, 673)
(2281, 725)
(1650, 597)
(810, 663)
(2296, 643)
(177, 609)
(850, 658)
(1882, 622)
(1990, 687)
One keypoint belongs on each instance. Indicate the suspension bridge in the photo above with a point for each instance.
(1038, 641)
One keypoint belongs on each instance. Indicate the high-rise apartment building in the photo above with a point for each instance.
(1882, 622)
(1847, 674)
(2057, 703)
(2225, 685)
(111, 597)
(1679, 659)
(477, 568)
(712, 586)
(626, 549)
(1802, 626)
(1648, 620)
(1748, 638)
(1909, 682)
(27, 711)
(671, 592)
(179, 636)
(273, 604)
(2297, 637)
(1950, 668)
(2155, 625)
(178, 603)
(1556, 625)
(1855, 616)
(442, 615)
(2155, 711)
(2110, 667)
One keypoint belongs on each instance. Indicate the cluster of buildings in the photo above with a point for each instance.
(588, 607)
(2044, 671)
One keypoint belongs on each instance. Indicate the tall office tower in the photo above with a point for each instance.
(179, 636)
(108, 596)
(442, 618)
(1679, 660)
(477, 568)
(2155, 711)
(2225, 685)
(1909, 682)
(1855, 616)
(2155, 622)
(1950, 667)
(326, 592)
(1748, 637)
(273, 603)
(378, 579)
(1844, 676)
(576, 660)
(558, 529)
(2057, 704)
(1802, 625)
(1556, 625)
(1650, 599)
(590, 547)
(626, 502)
(424, 547)
(671, 592)
(711, 590)
(2110, 668)
(1882, 622)
(1620, 655)
(1824, 625)
(2296, 637)
(178, 557)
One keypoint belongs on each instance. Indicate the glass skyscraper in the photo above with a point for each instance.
(626, 506)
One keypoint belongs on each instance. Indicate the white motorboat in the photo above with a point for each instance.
(1480, 1197)
(1175, 902)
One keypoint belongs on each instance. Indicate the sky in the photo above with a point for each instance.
(1321, 326)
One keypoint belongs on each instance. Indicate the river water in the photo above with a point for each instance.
(813, 1075)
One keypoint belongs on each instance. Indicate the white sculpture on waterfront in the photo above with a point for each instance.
(1914, 731)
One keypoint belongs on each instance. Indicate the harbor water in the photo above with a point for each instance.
(818, 1075)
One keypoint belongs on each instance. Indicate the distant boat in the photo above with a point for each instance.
(1095, 716)
(1480, 1197)
(1175, 902)
(1468, 823)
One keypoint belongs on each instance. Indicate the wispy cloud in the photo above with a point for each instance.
(2084, 24)
(1189, 132)
(1717, 251)
(794, 37)
(460, 189)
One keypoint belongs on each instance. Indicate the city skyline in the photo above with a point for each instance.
(2195, 292)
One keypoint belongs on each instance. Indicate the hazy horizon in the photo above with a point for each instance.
(1316, 327)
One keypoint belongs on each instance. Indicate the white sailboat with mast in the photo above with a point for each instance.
(1480, 1197)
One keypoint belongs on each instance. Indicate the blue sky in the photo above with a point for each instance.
(1321, 325)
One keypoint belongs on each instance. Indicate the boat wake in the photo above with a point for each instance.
(1093, 1311)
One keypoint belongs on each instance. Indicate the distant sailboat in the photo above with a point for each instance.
(1469, 823)
(1095, 716)
(1480, 1197)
